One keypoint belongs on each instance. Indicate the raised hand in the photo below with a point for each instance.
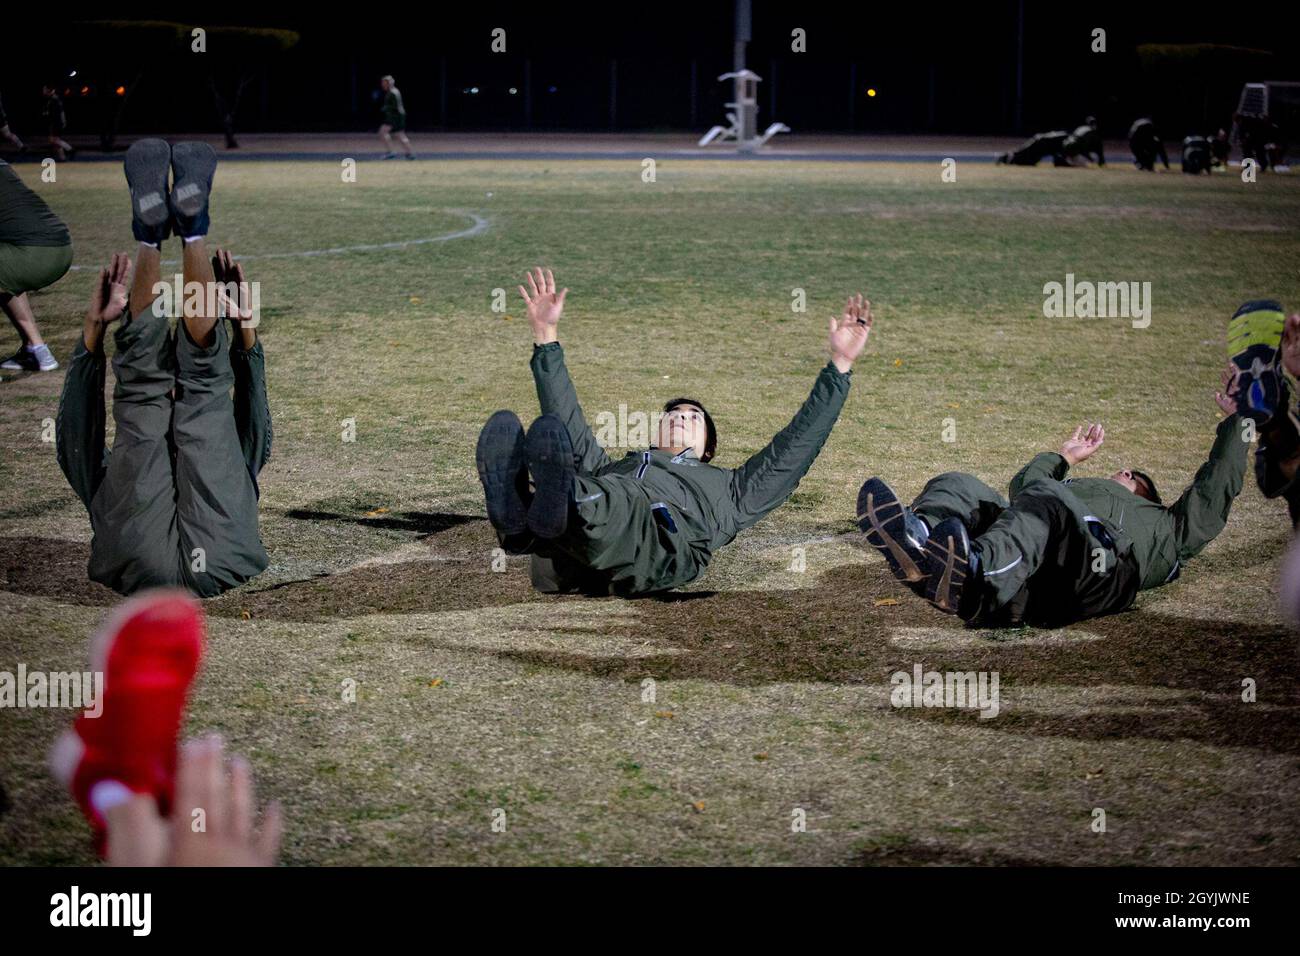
(1291, 344)
(1082, 444)
(544, 305)
(1227, 399)
(108, 299)
(848, 335)
(233, 290)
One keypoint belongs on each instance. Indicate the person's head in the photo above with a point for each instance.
(47, 90)
(685, 424)
(386, 83)
(1091, 121)
(1138, 482)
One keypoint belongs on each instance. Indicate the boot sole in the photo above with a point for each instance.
(946, 574)
(193, 166)
(878, 509)
(550, 460)
(146, 165)
(500, 459)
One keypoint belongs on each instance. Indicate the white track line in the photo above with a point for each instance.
(480, 226)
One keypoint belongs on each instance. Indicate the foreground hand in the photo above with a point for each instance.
(848, 334)
(544, 305)
(222, 835)
(1082, 444)
(1227, 399)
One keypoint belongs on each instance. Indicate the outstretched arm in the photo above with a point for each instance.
(1050, 464)
(767, 479)
(555, 392)
(79, 429)
(252, 410)
(1202, 511)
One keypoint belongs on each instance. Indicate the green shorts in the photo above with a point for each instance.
(28, 268)
(396, 124)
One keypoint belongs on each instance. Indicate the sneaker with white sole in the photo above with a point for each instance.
(31, 358)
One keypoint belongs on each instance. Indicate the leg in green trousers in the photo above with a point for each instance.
(618, 542)
(136, 541)
(216, 501)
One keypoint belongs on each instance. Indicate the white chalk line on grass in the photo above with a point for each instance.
(479, 227)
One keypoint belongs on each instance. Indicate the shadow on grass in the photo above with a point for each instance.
(831, 632)
(457, 577)
(51, 568)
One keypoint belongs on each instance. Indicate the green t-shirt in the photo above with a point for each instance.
(25, 220)
(394, 111)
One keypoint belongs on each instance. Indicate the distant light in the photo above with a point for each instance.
(473, 89)
(120, 91)
(552, 89)
(871, 92)
(513, 91)
(85, 90)
(72, 74)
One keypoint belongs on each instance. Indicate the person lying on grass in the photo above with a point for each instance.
(651, 521)
(174, 503)
(1062, 549)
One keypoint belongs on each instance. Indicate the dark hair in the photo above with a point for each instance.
(711, 432)
(1150, 494)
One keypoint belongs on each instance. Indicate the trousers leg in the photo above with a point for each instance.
(955, 494)
(79, 427)
(616, 532)
(1043, 529)
(216, 502)
(133, 510)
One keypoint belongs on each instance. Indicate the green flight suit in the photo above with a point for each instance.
(1065, 549)
(393, 111)
(651, 520)
(1085, 141)
(175, 501)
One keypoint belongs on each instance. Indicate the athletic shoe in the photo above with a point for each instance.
(35, 359)
(410, 156)
(390, 155)
(949, 564)
(503, 472)
(148, 651)
(550, 459)
(193, 166)
(893, 529)
(146, 167)
(1254, 336)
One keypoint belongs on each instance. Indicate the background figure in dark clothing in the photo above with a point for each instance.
(55, 123)
(1197, 157)
(1144, 140)
(6, 134)
(1220, 148)
(1085, 141)
(1036, 148)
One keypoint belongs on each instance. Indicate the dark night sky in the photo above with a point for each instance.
(937, 67)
